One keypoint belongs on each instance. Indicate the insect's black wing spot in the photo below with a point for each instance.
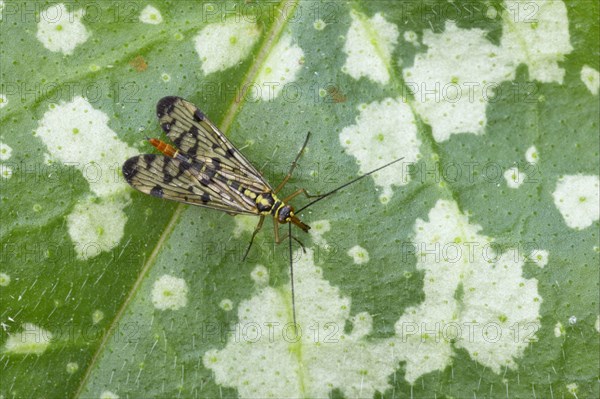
(157, 191)
(166, 127)
(165, 106)
(199, 115)
(149, 158)
(130, 169)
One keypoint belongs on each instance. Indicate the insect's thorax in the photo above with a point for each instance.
(267, 203)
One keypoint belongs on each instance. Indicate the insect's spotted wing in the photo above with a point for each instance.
(193, 134)
(170, 178)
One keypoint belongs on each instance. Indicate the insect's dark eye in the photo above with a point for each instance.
(284, 214)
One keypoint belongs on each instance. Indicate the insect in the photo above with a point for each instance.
(203, 168)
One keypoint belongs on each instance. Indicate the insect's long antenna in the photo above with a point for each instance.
(292, 278)
(320, 197)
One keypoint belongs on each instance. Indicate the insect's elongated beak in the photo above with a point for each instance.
(299, 223)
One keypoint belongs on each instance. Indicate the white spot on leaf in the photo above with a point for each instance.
(79, 136)
(281, 68)
(317, 230)
(32, 340)
(96, 226)
(514, 178)
(358, 254)
(539, 257)
(244, 224)
(578, 200)
(369, 46)
(474, 298)
(410, 37)
(559, 329)
(108, 395)
(6, 171)
(150, 15)
(60, 30)
(384, 131)
(169, 293)
(4, 279)
(454, 79)
(591, 78)
(5, 152)
(536, 33)
(531, 155)
(226, 305)
(264, 342)
(97, 316)
(223, 45)
(260, 275)
(319, 24)
(3, 101)
(72, 367)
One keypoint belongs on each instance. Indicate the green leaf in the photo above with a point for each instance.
(469, 269)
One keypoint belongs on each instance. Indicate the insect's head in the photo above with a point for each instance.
(286, 215)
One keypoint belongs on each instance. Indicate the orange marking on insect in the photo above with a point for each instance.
(163, 147)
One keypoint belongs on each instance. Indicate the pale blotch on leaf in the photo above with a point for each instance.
(6, 171)
(108, 395)
(514, 178)
(591, 78)
(369, 46)
(559, 329)
(226, 305)
(244, 224)
(3, 101)
(317, 230)
(150, 15)
(577, 198)
(572, 320)
(5, 152)
(491, 12)
(281, 68)
(597, 324)
(4, 279)
(539, 257)
(96, 226)
(95, 150)
(260, 275)
(358, 254)
(169, 293)
(319, 24)
(32, 340)
(97, 316)
(410, 37)
(311, 361)
(477, 286)
(72, 367)
(454, 100)
(61, 30)
(572, 389)
(395, 136)
(531, 155)
(165, 77)
(217, 50)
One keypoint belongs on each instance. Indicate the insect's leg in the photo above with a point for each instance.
(278, 239)
(293, 166)
(256, 230)
(298, 192)
(276, 231)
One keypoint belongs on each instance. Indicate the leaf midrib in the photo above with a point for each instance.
(270, 40)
